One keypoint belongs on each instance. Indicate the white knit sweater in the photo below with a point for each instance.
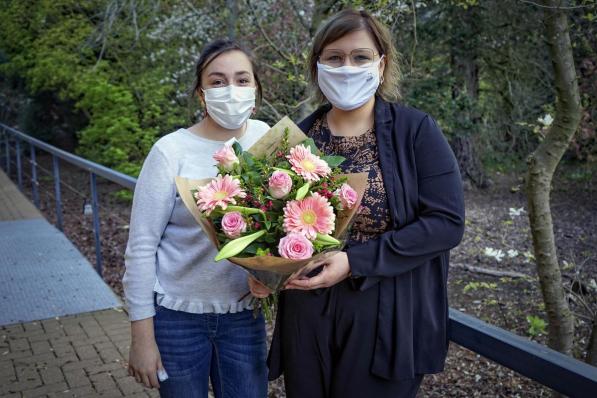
(167, 251)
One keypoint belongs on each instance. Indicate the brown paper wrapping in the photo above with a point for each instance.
(279, 266)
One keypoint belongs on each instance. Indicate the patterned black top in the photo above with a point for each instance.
(373, 218)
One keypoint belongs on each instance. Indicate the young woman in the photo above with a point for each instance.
(186, 317)
(370, 321)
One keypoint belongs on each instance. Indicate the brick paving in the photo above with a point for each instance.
(82, 355)
(15, 206)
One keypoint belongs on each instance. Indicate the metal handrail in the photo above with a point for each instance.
(119, 178)
(562, 373)
(93, 168)
(551, 368)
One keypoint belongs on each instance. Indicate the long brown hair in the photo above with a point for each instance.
(348, 21)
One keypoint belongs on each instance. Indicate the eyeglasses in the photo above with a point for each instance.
(361, 57)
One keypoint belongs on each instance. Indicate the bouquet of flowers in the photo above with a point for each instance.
(276, 206)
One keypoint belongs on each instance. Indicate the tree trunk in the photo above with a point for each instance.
(541, 167)
(232, 6)
(465, 65)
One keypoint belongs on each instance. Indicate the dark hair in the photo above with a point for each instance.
(217, 47)
(348, 21)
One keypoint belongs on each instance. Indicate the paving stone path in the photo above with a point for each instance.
(75, 356)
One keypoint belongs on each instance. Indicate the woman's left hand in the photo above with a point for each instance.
(258, 289)
(335, 269)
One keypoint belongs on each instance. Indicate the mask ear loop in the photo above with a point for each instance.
(202, 102)
(378, 62)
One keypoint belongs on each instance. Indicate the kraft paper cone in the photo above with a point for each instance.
(259, 266)
(272, 140)
(184, 187)
(275, 264)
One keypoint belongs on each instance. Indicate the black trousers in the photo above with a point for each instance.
(328, 341)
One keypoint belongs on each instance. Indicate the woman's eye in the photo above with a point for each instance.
(244, 81)
(218, 83)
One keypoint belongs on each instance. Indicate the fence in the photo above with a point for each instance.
(540, 363)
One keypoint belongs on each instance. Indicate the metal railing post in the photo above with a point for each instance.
(6, 152)
(34, 182)
(19, 169)
(96, 224)
(58, 196)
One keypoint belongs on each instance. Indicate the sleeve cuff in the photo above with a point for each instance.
(139, 313)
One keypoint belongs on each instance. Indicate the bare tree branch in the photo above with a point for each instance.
(134, 15)
(300, 17)
(108, 21)
(558, 7)
(265, 35)
(412, 54)
(272, 108)
(492, 272)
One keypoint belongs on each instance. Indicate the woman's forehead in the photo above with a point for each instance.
(229, 63)
(357, 39)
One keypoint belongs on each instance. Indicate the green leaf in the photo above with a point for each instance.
(311, 144)
(289, 172)
(248, 158)
(238, 150)
(246, 211)
(254, 248)
(326, 240)
(237, 245)
(302, 191)
(333, 161)
(284, 164)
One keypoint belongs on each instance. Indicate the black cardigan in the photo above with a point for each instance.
(410, 262)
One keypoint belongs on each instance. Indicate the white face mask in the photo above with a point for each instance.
(230, 106)
(348, 87)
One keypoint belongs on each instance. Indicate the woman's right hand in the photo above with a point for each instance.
(144, 356)
(258, 289)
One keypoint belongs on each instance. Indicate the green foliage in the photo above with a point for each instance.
(114, 136)
(473, 286)
(119, 72)
(537, 326)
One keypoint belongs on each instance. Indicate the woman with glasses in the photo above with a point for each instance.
(371, 320)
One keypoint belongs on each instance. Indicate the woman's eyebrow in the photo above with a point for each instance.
(243, 72)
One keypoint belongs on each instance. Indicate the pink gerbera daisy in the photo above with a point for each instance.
(309, 166)
(309, 216)
(219, 192)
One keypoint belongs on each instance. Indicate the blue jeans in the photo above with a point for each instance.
(230, 349)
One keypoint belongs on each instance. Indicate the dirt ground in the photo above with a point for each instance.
(493, 222)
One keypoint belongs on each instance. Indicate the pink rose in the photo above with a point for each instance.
(348, 196)
(295, 247)
(226, 157)
(233, 224)
(280, 184)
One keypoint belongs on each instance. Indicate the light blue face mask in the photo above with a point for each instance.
(348, 87)
(230, 106)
